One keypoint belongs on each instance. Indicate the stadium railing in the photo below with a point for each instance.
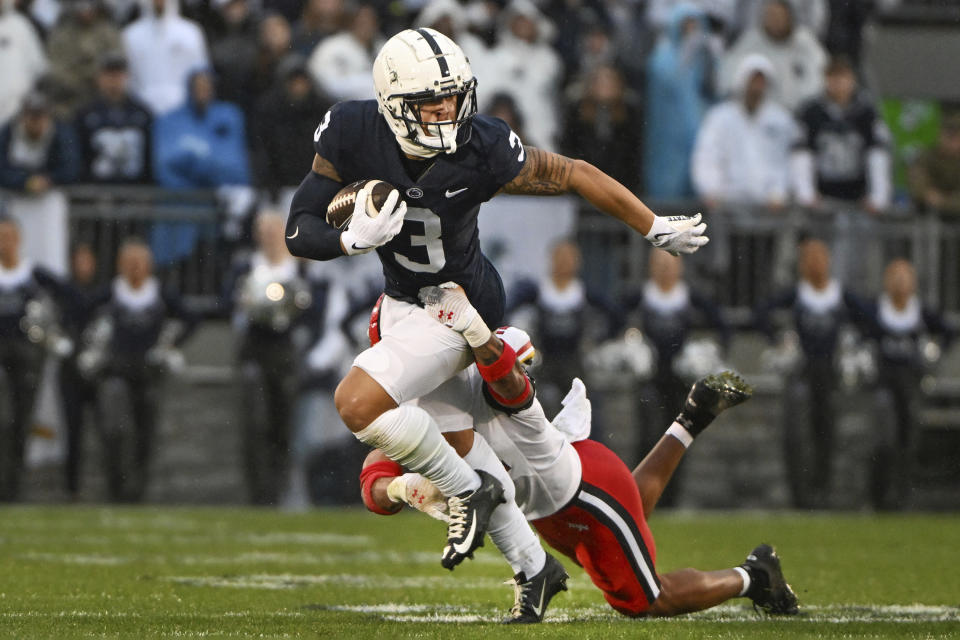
(753, 251)
(103, 216)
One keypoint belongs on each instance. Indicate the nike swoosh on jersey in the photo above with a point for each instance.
(464, 547)
(296, 232)
(450, 194)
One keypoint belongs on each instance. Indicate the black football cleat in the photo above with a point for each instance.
(768, 588)
(711, 396)
(469, 515)
(532, 596)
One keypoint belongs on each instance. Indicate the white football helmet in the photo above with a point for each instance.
(419, 66)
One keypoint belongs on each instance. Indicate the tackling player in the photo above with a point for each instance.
(601, 525)
(422, 135)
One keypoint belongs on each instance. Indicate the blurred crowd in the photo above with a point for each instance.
(825, 342)
(762, 102)
(759, 101)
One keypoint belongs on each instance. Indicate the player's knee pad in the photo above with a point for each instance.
(399, 432)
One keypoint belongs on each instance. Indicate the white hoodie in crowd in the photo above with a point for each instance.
(529, 72)
(162, 51)
(744, 157)
(22, 60)
(798, 63)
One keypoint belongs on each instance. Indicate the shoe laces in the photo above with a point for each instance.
(520, 591)
(457, 509)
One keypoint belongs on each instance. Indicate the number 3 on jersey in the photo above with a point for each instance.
(430, 239)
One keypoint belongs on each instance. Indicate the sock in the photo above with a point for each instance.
(680, 432)
(409, 435)
(746, 580)
(508, 528)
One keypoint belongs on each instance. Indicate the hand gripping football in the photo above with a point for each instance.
(340, 209)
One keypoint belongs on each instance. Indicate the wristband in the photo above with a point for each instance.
(660, 226)
(501, 367)
(370, 474)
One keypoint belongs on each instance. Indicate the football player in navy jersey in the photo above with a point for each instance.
(422, 135)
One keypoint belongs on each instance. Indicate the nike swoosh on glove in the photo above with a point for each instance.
(678, 234)
(364, 233)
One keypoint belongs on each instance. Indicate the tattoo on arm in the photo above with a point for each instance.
(544, 174)
(323, 167)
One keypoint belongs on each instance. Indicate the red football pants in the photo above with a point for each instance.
(604, 531)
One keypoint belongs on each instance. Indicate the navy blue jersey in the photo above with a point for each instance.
(839, 140)
(18, 287)
(439, 240)
(817, 317)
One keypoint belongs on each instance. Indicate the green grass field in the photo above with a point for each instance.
(241, 573)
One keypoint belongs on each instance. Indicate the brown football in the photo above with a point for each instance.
(340, 209)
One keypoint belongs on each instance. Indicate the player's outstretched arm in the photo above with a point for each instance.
(308, 234)
(545, 173)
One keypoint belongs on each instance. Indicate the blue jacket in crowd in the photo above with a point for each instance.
(196, 148)
(678, 95)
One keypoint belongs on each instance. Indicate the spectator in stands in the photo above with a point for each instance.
(201, 145)
(900, 325)
(283, 127)
(162, 49)
(669, 312)
(820, 307)
(77, 394)
(503, 106)
(812, 14)
(842, 151)
(271, 302)
(22, 59)
(141, 328)
(603, 127)
(845, 27)
(742, 150)
(679, 80)
(449, 18)
(83, 33)
(233, 52)
(274, 47)
(22, 286)
(319, 450)
(585, 39)
(37, 152)
(935, 175)
(319, 20)
(563, 309)
(529, 70)
(341, 63)
(114, 129)
(797, 57)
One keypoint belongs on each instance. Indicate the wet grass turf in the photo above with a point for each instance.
(74, 572)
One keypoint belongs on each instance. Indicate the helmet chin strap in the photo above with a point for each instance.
(412, 149)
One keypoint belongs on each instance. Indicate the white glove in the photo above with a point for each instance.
(364, 234)
(449, 305)
(419, 493)
(678, 234)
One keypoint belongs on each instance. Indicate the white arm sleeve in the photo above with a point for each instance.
(802, 176)
(707, 159)
(879, 187)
